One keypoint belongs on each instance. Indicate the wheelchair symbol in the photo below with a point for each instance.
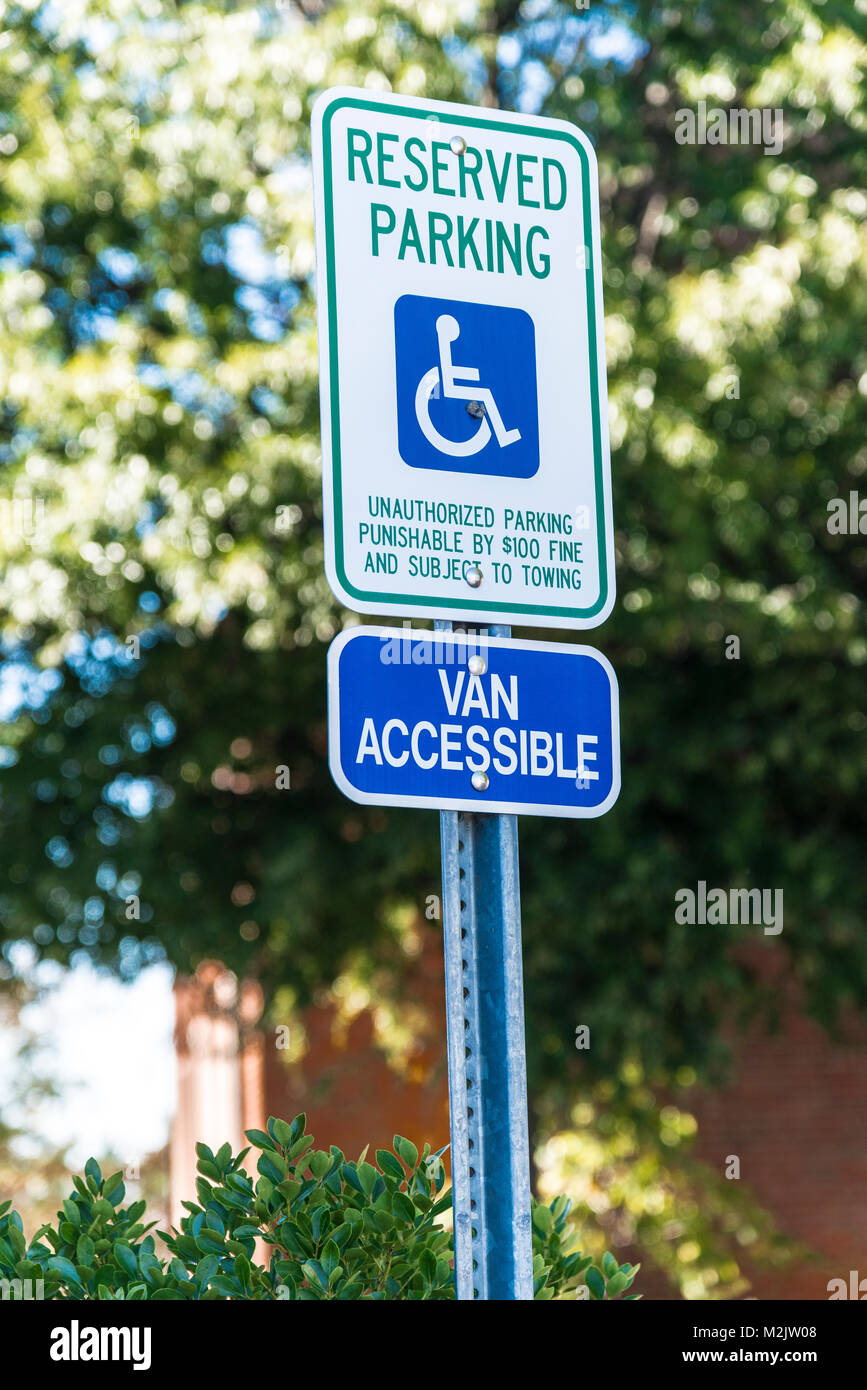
(452, 376)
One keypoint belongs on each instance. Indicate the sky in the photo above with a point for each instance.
(108, 1047)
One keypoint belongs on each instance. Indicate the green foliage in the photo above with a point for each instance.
(558, 1268)
(160, 398)
(333, 1228)
(637, 1169)
(97, 1248)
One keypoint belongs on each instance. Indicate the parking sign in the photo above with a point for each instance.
(462, 375)
(472, 723)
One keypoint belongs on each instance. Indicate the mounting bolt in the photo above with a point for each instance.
(480, 782)
(477, 665)
(458, 144)
(473, 576)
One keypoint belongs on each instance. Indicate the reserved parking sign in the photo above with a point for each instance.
(464, 434)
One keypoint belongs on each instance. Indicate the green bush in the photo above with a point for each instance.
(335, 1228)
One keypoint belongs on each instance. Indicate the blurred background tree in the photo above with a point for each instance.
(163, 604)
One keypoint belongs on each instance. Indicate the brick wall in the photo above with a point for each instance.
(344, 1083)
(796, 1115)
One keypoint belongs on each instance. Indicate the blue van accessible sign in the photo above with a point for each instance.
(454, 721)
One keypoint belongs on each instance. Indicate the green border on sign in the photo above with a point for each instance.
(416, 113)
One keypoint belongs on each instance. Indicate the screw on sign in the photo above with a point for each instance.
(466, 479)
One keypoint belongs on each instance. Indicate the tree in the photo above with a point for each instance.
(163, 601)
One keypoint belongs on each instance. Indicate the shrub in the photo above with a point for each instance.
(327, 1227)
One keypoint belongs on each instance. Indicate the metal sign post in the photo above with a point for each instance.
(466, 478)
(490, 1149)
(483, 727)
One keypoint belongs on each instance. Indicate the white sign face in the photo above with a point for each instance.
(465, 447)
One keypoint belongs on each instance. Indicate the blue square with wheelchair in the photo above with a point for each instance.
(466, 387)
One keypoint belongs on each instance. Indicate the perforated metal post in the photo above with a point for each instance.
(490, 1151)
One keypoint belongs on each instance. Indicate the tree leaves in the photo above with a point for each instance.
(161, 418)
(364, 1233)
